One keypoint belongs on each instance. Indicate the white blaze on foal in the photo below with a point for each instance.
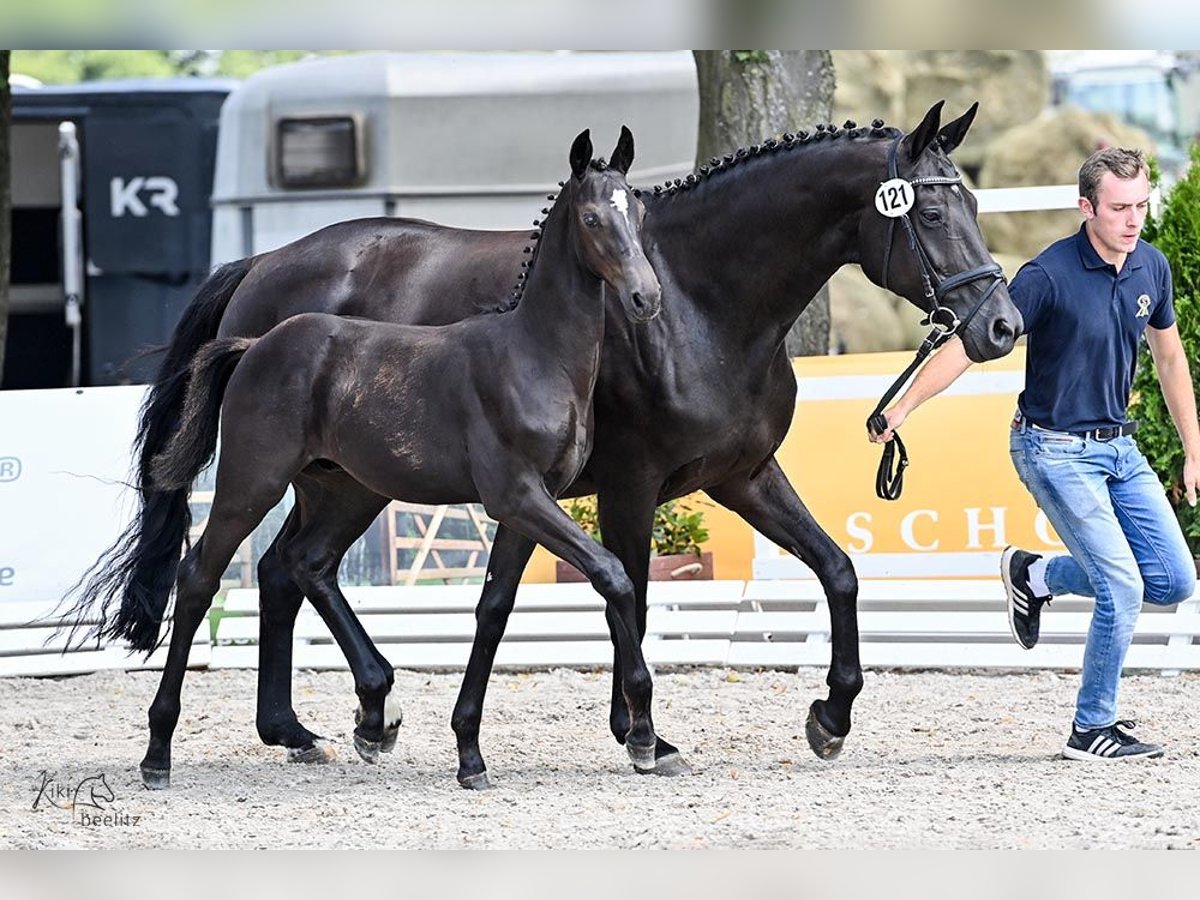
(620, 200)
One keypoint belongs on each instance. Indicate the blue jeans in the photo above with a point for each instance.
(1125, 545)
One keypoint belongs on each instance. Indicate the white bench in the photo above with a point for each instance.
(32, 643)
(431, 627)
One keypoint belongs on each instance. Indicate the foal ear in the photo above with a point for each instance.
(922, 136)
(581, 153)
(622, 156)
(952, 134)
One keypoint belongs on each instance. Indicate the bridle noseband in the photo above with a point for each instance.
(942, 319)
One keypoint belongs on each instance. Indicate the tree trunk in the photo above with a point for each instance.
(5, 200)
(749, 95)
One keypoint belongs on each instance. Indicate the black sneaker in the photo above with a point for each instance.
(1024, 609)
(1107, 744)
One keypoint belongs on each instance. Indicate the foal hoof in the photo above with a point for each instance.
(368, 750)
(317, 753)
(824, 743)
(642, 757)
(156, 779)
(478, 782)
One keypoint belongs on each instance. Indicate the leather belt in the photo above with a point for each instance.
(1106, 433)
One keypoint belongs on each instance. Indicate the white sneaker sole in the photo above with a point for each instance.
(1009, 591)
(1070, 752)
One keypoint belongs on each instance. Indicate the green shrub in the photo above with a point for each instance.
(678, 527)
(1176, 232)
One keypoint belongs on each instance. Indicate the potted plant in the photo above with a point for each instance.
(1174, 232)
(675, 541)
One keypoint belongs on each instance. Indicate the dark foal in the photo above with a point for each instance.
(697, 400)
(496, 409)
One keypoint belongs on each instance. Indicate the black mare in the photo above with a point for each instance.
(494, 408)
(697, 400)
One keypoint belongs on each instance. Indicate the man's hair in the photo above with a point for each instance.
(1122, 163)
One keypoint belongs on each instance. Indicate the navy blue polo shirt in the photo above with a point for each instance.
(1084, 321)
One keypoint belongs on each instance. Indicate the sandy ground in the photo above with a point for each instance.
(935, 760)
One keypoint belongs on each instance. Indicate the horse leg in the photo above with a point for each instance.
(198, 581)
(343, 509)
(509, 556)
(522, 503)
(770, 504)
(626, 520)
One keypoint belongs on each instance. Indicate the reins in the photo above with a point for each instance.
(889, 480)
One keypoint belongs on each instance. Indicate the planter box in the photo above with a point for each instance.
(677, 567)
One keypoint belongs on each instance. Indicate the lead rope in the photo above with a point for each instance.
(889, 479)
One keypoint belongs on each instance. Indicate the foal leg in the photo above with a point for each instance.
(198, 580)
(509, 556)
(339, 510)
(626, 520)
(279, 599)
(523, 504)
(312, 558)
(770, 504)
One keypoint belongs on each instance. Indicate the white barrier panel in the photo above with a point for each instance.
(64, 459)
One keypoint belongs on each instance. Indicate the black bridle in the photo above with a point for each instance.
(943, 322)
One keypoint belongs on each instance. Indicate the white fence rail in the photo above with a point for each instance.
(902, 624)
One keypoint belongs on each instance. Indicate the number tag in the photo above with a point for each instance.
(894, 198)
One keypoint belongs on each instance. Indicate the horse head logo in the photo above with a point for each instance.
(93, 791)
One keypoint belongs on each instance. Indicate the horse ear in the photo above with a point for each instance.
(622, 156)
(581, 153)
(922, 136)
(952, 134)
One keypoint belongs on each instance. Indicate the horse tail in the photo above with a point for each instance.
(195, 441)
(136, 574)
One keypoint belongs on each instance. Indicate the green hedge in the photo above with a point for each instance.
(1176, 232)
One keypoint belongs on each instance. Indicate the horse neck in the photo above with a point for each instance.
(762, 238)
(562, 305)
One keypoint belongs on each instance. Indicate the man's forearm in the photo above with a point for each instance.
(1180, 398)
(935, 376)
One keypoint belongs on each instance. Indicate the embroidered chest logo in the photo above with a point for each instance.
(1143, 309)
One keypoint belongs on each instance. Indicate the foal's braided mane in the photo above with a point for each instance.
(531, 249)
(718, 165)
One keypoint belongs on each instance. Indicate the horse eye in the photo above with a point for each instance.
(591, 220)
(932, 216)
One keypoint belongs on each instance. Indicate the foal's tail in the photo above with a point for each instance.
(193, 444)
(138, 571)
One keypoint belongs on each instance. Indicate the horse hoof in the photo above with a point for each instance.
(478, 782)
(391, 734)
(642, 757)
(670, 766)
(156, 779)
(368, 750)
(824, 743)
(317, 753)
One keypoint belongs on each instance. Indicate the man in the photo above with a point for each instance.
(1086, 300)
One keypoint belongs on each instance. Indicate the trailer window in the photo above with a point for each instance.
(319, 153)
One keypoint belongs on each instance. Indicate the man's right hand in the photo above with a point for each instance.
(894, 417)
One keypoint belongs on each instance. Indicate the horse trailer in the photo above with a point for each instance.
(174, 176)
(111, 224)
(468, 139)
